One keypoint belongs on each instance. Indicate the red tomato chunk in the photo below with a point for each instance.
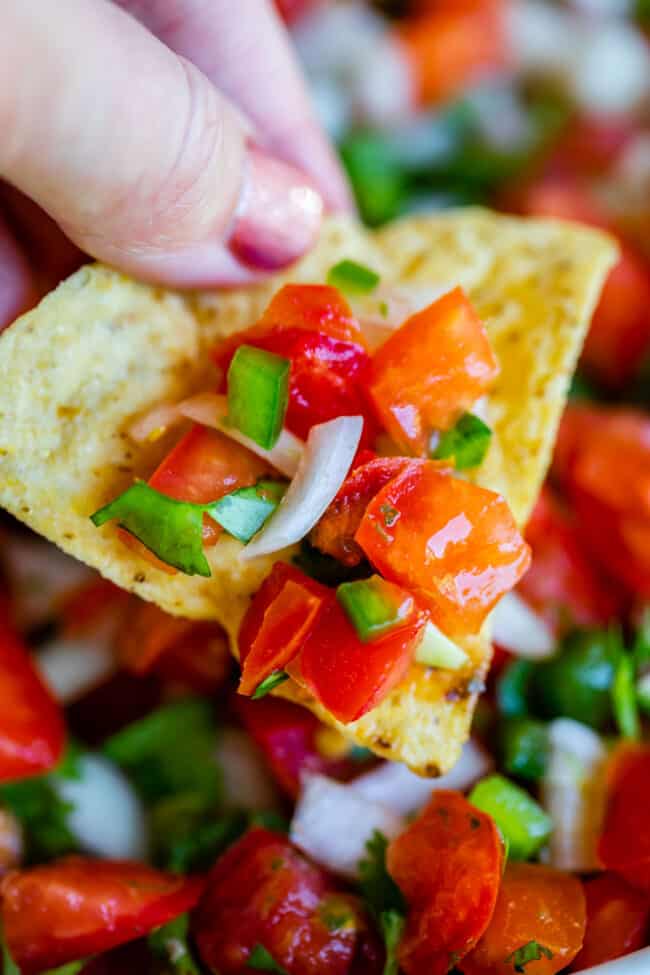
(625, 842)
(617, 921)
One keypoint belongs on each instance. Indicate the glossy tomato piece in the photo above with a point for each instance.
(312, 325)
(431, 370)
(193, 653)
(456, 542)
(288, 736)
(451, 45)
(562, 583)
(350, 677)
(625, 842)
(277, 623)
(617, 921)
(32, 732)
(535, 903)
(448, 866)
(334, 533)
(262, 891)
(63, 911)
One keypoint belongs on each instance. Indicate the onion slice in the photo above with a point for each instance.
(72, 667)
(211, 409)
(328, 455)
(150, 426)
(332, 824)
(518, 628)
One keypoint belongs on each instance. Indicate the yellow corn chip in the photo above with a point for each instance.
(102, 349)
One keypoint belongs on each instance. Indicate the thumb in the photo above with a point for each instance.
(136, 155)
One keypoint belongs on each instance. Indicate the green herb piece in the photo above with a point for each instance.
(521, 820)
(532, 951)
(641, 646)
(466, 443)
(577, 682)
(642, 12)
(352, 278)
(258, 393)
(243, 512)
(582, 388)
(437, 650)
(170, 943)
(377, 178)
(334, 911)
(643, 693)
(624, 698)
(273, 680)
(524, 748)
(514, 687)
(70, 969)
(188, 835)
(374, 606)
(270, 819)
(263, 961)
(172, 529)
(170, 752)
(383, 897)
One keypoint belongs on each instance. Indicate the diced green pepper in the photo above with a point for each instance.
(513, 689)
(172, 529)
(374, 606)
(466, 443)
(274, 679)
(524, 748)
(352, 278)
(437, 650)
(522, 821)
(258, 393)
(377, 178)
(624, 699)
(577, 682)
(171, 944)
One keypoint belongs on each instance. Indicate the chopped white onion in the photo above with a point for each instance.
(573, 793)
(383, 86)
(155, 422)
(247, 783)
(332, 823)
(610, 68)
(329, 452)
(541, 36)
(516, 627)
(395, 786)
(72, 667)
(107, 818)
(211, 409)
(638, 963)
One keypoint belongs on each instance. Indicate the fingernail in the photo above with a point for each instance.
(279, 214)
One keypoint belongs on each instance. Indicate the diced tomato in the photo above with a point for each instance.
(86, 605)
(193, 653)
(535, 903)
(350, 677)
(288, 736)
(60, 912)
(334, 533)
(625, 841)
(617, 921)
(455, 541)
(448, 865)
(451, 45)
(562, 584)
(312, 325)
(612, 513)
(277, 623)
(32, 732)
(590, 145)
(431, 370)
(262, 891)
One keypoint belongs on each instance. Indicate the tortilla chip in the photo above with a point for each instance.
(101, 349)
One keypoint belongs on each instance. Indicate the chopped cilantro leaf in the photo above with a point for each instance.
(170, 944)
(189, 835)
(624, 698)
(466, 443)
(70, 969)
(392, 927)
(263, 961)
(383, 897)
(531, 951)
(352, 278)
(273, 680)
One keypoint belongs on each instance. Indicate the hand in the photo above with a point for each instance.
(171, 138)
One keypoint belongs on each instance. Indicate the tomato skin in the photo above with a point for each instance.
(32, 730)
(562, 584)
(448, 865)
(450, 45)
(62, 911)
(432, 369)
(313, 326)
(288, 736)
(617, 921)
(263, 891)
(334, 533)
(625, 841)
(350, 677)
(535, 903)
(457, 542)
